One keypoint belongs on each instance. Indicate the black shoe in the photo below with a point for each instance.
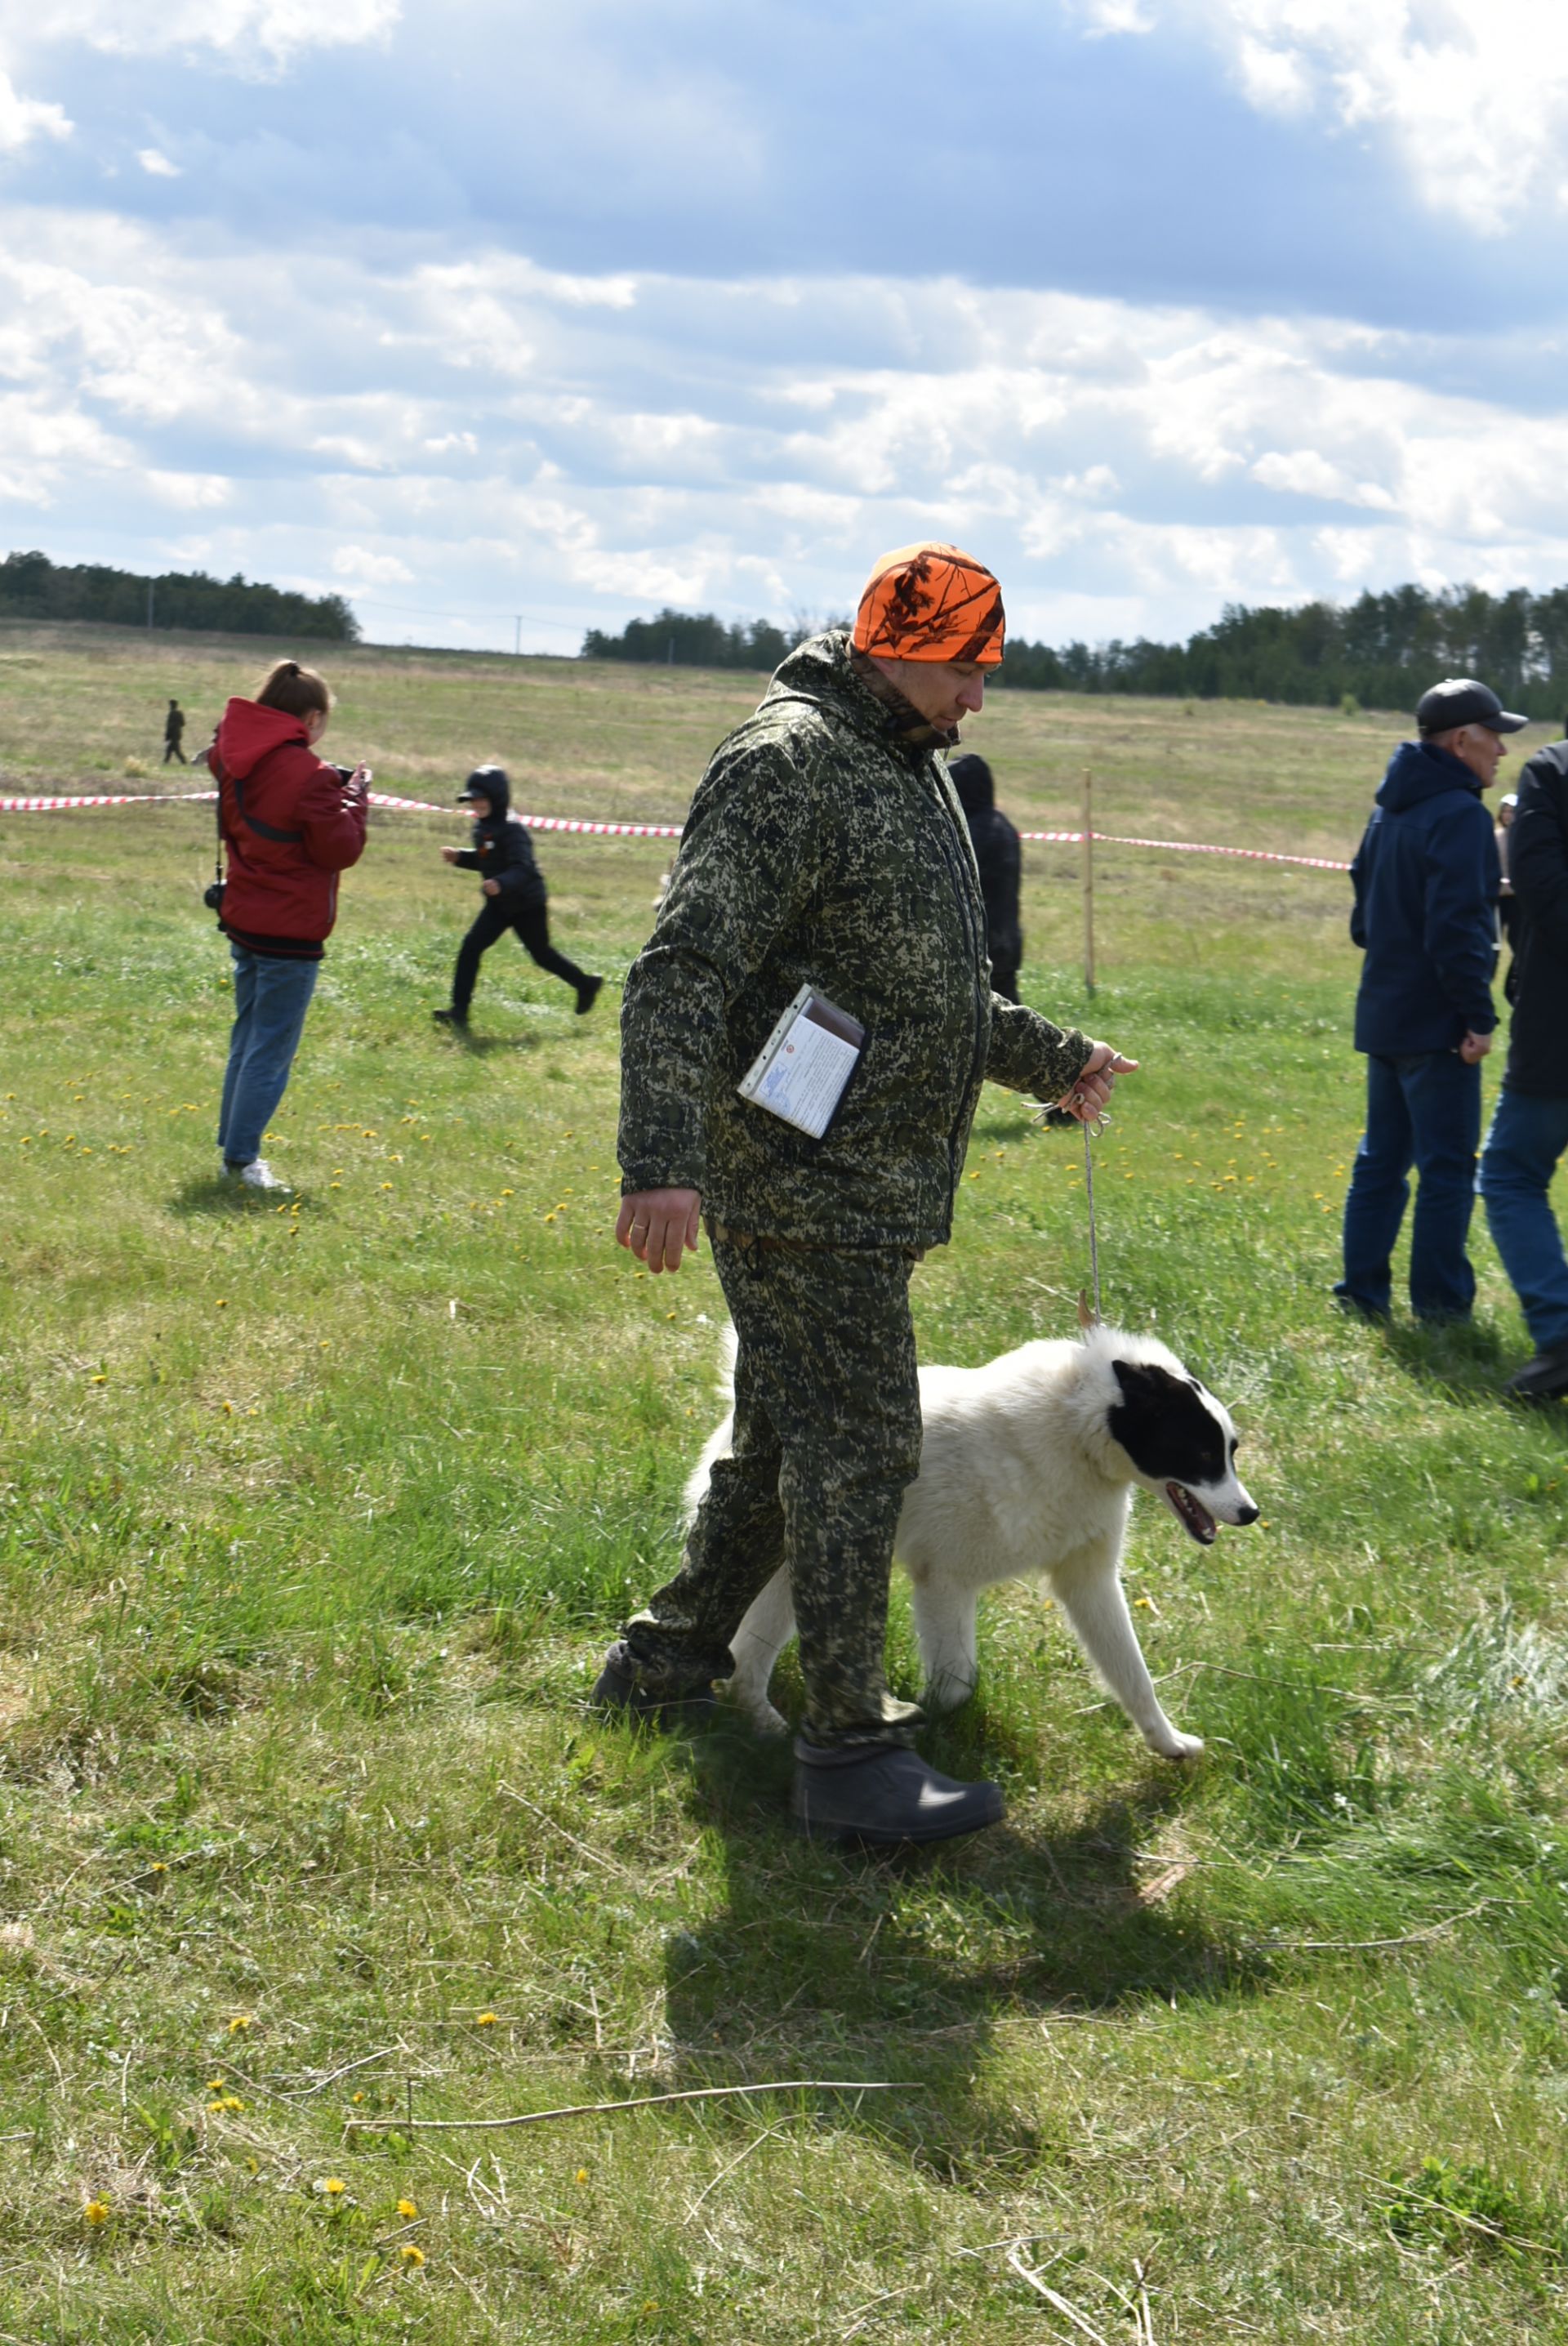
(587, 995)
(882, 1793)
(458, 1018)
(1377, 1315)
(617, 1690)
(1545, 1377)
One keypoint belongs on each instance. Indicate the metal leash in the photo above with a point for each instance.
(1098, 1125)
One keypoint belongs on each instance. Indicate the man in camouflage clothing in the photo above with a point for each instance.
(825, 844)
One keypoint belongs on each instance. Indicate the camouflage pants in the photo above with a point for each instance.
(827, 1440)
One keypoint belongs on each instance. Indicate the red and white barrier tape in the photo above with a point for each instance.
(591, 830)
(1189, 847)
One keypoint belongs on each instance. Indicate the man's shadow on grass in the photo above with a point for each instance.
(824, 1963)
(1471, 1362)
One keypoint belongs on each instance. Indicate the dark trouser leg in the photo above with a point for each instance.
(489, 923)
(532, 922)
(1379, 1189)
(1005, 980)
(1529, 1134)
(1443, 1094)
(827, 1442)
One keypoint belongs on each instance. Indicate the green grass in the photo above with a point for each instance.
(315, 1521)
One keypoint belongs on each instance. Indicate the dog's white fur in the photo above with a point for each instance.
(1021, 1479)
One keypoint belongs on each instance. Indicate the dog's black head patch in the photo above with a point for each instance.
(1166, 1425)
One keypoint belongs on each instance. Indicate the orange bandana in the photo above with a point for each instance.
(930, 602)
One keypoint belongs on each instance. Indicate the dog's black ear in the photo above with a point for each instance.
(1164, 1424)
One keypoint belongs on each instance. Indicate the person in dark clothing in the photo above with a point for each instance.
(1529, 1128)
(1000, 855)
(515, 894)
(1426, 881)
(173, 734)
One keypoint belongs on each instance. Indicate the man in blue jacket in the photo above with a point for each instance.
(1426, 879)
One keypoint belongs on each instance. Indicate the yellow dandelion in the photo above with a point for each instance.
(98, 1381)
(97, 2211)
(406, 2208)
(222, 1304)
(231, 2102)
(582, 2175)
(332, 2187)
(241, 2021)
(411, 2255)
(386, 1185)
(216, 2085)
(486, 2020)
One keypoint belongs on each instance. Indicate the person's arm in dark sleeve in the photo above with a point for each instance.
(748, 864)
(1459, 919)
(1028, 1054)
(1358, 885)
(333, 818)
(1538, 855)
(468, 859)
(512, 865)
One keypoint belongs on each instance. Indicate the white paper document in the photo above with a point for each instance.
(802, 1068)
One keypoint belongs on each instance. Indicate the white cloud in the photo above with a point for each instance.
(368, 569)
(1473, 94)
(157, 164)
(242, 31)
(22, 120)
(1142, 462)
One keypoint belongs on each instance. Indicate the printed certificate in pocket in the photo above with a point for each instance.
(801, 1070)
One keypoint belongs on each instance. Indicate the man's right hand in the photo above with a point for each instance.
(449, 854)
(658, 1225)
(1475, 1047)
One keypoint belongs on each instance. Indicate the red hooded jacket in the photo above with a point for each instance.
(289, 829)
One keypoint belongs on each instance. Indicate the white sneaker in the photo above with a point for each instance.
(259, 1175)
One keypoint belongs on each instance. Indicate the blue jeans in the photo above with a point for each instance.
(1529, 1134)
(1422, 1110)
(271, 999)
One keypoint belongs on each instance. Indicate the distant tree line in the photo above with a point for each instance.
(682, 639)
(33, 587)
(1380, 651)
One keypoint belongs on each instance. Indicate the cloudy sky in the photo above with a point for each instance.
(487, 312)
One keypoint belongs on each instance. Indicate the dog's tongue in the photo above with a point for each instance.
(1193, 1513)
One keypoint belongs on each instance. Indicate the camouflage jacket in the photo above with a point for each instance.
(825, 844)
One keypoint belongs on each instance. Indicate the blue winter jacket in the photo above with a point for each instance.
(1426, 879)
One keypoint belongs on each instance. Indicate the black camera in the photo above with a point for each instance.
(212, 896)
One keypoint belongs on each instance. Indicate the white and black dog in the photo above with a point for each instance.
(1027, 1471)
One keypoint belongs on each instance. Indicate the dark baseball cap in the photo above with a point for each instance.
(1460, 701)
(490, 783)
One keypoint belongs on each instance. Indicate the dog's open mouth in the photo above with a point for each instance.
(1195, 1516)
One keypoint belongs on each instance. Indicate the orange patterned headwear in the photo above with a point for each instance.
(930, 602)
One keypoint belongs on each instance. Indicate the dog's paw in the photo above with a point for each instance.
(1174, 1745)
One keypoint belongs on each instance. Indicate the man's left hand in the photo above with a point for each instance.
(493, 887)
(1090, 1096)
(1474, 1048)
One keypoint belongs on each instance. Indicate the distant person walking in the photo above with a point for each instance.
(999, 852)
(514, 894)
(173, 734)
(1426, 882)
(1529, 1128)
(289, 824)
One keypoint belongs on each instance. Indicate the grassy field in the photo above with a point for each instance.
(316, 1517)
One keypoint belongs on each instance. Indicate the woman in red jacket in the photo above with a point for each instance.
(289, 824)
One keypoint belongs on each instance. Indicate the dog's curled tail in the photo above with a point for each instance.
(728, 1353)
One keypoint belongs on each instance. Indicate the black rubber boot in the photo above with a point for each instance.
(587, 995)
(1545, 1377)
(882, 1793)
(617, 1690)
